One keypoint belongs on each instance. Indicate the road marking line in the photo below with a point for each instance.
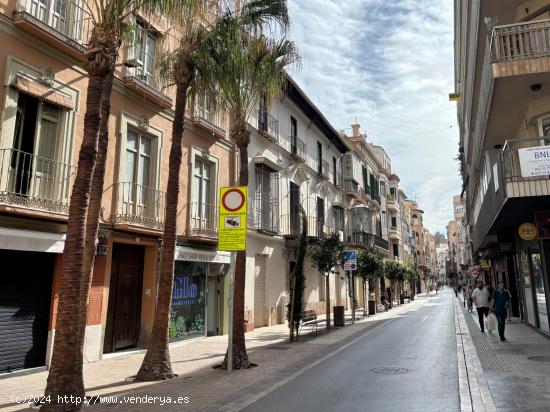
(265, 392)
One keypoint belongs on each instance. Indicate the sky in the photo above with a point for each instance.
(387, 64)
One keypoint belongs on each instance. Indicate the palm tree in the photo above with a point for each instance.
(247, 66)
(189, 68)
(102, 52)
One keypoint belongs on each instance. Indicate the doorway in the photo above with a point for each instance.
(259, 292)
(124, 310)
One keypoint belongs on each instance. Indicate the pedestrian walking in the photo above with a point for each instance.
(500, 303)
(480, 297)
(456, 292)
(466, 294)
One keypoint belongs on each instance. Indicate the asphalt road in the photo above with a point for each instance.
(408, 364)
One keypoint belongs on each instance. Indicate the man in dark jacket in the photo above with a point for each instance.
(499, 303)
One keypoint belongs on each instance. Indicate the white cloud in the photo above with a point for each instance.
(390, 65)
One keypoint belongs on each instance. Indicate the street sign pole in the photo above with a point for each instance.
(352, 297)
(230, 317)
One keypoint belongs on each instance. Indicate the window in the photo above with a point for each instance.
(294, 134)
(395, 250)
(382, 188)
(544, 126)
(294, 209)
(334, 169)
(320, 216)
(202, 182)
(394, 222)
(319, 157)
(144, 48)
(266, 199)
(338, 218)
(137, 175)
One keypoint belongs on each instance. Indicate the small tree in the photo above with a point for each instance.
(325, 256)
(298, 283)
(370, 266)
(394, 271)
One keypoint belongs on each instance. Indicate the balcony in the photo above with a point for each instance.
(203, 221)
(292, 226)
(521, 48)
(264, 213)
(33, 183)
(297, 149)
(367, 194)
(323, 169)
(63, 24)
(517, 187)
(209, 120)
(358, 237)
(351, 188)
(391, 203)
(138, 207)
(145, 79)
(268, 126)
(394, 233)
(376, 197)
(381, 243)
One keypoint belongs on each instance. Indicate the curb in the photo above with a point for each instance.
(474, 391)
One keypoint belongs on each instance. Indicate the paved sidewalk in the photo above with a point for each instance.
(208, 389)
(518, 370)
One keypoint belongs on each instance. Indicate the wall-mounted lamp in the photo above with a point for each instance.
(102, 249)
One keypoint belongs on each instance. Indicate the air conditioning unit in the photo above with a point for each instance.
(133, 63)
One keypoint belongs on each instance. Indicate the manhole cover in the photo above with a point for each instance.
(539, 358)
(389, 370)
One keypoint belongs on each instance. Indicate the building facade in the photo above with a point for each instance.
(499, 59)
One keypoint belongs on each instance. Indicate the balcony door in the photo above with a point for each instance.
(320, 217)
(294, 208)
(266, 199)
(202, 208)
(293, 135)
(145, 50)
(138, 195)
(34, 168)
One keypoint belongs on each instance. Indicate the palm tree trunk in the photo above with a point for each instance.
(92, 219)
(240, 357)
(156, 364)
(65, 372)
(241, 136)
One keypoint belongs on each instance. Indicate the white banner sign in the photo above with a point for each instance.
(534, 161)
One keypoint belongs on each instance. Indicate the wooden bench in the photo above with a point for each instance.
(309, 318)
(359, 310)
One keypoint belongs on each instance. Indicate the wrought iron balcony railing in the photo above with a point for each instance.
(264, 212)
(67, 18)
(203, 220)
(138, 205)
(292, 226)
(35, 182)
(323, 169)
(380, 242)
(268, 126)
(144, 77)
(209, 119)
(297, 148)
(351, 187)
(521, 41)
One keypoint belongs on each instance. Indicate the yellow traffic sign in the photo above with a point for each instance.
(233, 213)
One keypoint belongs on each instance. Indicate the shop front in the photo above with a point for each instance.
(532, 259)
(200, 293)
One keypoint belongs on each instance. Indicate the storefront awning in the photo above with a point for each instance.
(31, 240)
